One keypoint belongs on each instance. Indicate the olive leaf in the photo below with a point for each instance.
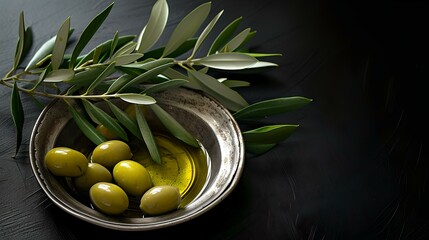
(270, 107)
(224, 36)
(17, 112)
(146, 75)
(154, 27)
(235, 83)
(260, 55)
(227, 61)
(124, 50)
(149, 63)
(258, 148)
(225, 95)
(173, 83)
(247, 39)
(182, 49)
(118, 83)
(125, 120)
(147, 135)
(174, 127)
(114, 43)
(237, 41)
(96, 57)
(271, 134)
(59, 75)
(106, 46)
(136, 98)
(87, 77)
(60, 44)
(204, 34)
(106, 72)
(28, 42)
(21, 39)
(39, 81)
(105, 119)
(126, 59)
(86, 127)
(187, 27)
(44, 51)
(88, 32)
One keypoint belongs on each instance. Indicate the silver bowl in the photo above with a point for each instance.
(201, 115)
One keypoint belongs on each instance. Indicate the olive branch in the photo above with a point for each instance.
(129, 68)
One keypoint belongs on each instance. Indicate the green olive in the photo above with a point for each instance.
(108, 198)
(109, 153)
(67, 162)
(132, 177)
(94, 174)
(160, 199)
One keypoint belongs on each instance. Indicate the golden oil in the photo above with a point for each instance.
(183, 166)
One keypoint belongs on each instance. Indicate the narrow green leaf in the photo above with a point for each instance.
(187, 27)
(147, 75)
(235, 83)
(174, 83)
(109, 70)
(182, 49)
(126, 59)
(271, 107)
(20, 45)
(118, 83)
(87, 34)
(124, 50)
(60, 44)
(227, 61)
(59, 75)
(262, 64)
(248, 38)
(147, 135)
(257, 149)
(43, 51)
(105, 119)
(204, 33)
(106, 46)
(42, 77)
(234, 43)
(260, 55)
(125, 120)
(86, 127)
(97, 54)
(225, 95)
(174, 74)
(149, 63)
(28, 42)
(174, 127)
(271, 134)
(258, 67)
(154, 27)
(114, 44)
(224, 36)
(136, 98)
(87, 77)
(17, 112)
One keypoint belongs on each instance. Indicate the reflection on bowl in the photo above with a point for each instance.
(213, 126)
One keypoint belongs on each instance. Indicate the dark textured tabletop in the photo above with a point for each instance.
(356, 168)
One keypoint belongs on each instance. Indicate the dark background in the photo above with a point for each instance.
(356, 168)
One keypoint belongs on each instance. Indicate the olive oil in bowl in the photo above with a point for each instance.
(182, 166)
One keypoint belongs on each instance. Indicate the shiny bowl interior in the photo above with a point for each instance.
(204, 117)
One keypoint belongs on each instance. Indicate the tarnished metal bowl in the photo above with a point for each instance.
(202, 116)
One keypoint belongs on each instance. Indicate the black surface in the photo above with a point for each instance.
(355, 169)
